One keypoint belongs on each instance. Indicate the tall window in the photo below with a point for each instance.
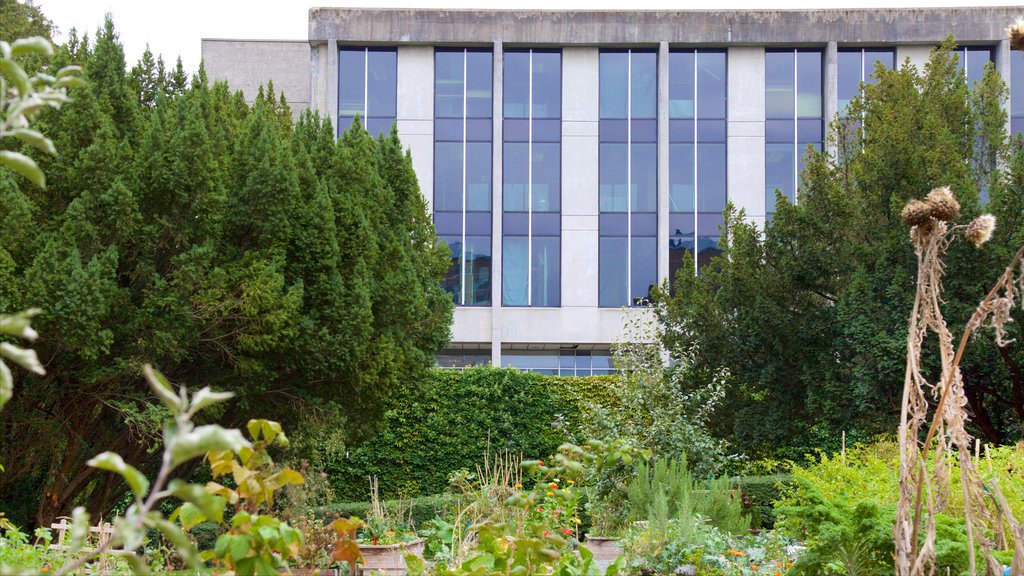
(793, 118)
(1016, 92)
(972, 61)
(462, 170)
(532, 174)
(857, 66)
(696, 173)
(628, 175)
(367, 87)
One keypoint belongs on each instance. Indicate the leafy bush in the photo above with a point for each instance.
(759, 496)
(422, 509)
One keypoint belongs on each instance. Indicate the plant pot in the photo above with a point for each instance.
(605, 550)
(315, 572)
(388, 558)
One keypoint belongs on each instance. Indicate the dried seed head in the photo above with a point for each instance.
(921, 234)
(1016, 33)
(943, 204)
(980, 229)
(916, 213)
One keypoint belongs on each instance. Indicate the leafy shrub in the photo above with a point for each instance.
(422, 509)
(759, 496)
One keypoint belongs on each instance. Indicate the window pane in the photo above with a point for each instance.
(645, 267)
(1017, 83)
(478, 85)
(645, 178)
(680, 178)
(808, 83)
(448, 176)
(614, 84)
(778, 89)
(515, 175)
(351, 81)
(886, 58)
(644, 84)
(377, 126)
(448, 87)
(613, 176)
(478, 271)
(778, 173)
(383, 88)
(680, 85)
(977, 57)
(547, 85)
(516, 82)
(711, 84)
(849, 76)
(546, 278)
(478, 176)
(452, 282)
(514, 262)
(680, 257)
(707, 248)
(613, 261)
(711, 177)
(547, 177)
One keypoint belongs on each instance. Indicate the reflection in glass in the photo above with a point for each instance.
(613, 272)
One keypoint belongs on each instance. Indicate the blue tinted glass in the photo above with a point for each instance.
(804, 150)
(711, 84)
(707, 248)
(644, 224)
(850, 70)
(977, 58)
(680, 84)
(644, 84)
(711, 177)
(515, 259)
(808, 84)
(448, 83)
(779, 164)
(680, 178)
(545, 277)
(515, 173)
(613, 177)
(613, 224)
(681, 225)
(344, 123)
(1016, 83)
(680, 256)
(779, 130)
(643, 130)
(479, 130)
(377, 126)
(613, 260)
(351, 81)
(645, 267)
(382, 74)
(546, 223)
(448, 223)
(478, 271)
(479, 84)
(644, 189)
(478, 223)
(448, 176)
(681, 130)
(613, 130)
(547, 177)
(779, 70)
(547, 130)
(478, 176)
(872, 58)
(516, 84)
(515, 223)
(452, 282)
(709, 224)
(808, 130)
(450, 129)
(710, 130)
(516, 130)
(614, 84)
(547, 85)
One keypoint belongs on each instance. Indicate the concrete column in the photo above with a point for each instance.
(831, 92)
(663, 185)
(916, 53)
(745, 131)
(580, 85)
(496, 204)
(318, 78)
(331, 78)
(1003, 55)
(416, 112)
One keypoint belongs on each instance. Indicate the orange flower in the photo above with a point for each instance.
(789, 564)
(566, 531)
(737, 553)
(554, 485)
(754, 567)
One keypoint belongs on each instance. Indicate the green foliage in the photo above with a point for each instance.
(183, 227)
(760, 494)
(808, 316)
(421, 510)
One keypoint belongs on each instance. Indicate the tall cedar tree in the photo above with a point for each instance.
(218, 241)
(809, 315)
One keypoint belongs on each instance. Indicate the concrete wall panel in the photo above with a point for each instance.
(247, 64)
(415, 83)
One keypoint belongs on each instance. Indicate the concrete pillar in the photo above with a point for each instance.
(831, 92)
(916, 53)
(580, 84)
(318, 78)
(1003, 55)
(663, 184)
(331, 78)
(745, 131)
(416, 112)
(496, 204)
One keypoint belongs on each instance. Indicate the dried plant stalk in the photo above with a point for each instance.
(921, 492)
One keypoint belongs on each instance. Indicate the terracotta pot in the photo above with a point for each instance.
(388, 558)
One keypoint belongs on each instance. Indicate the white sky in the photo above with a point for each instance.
(176, 28)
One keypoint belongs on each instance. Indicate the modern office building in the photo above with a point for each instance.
(572, 159)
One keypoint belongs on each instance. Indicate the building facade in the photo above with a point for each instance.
(573, 159)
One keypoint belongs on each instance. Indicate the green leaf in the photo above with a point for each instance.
(240, 546)
(112, 462)
(34, 45)
(210, 506)
(189, 515)
(20, 325)
(79, 529)
(415, 565)
(206, 397)
(35, 139)
(69, 71)
(163, 389)
(137, 563)
(284, 478)
(6, 384)
(220, 549)
(16, 74)
(25, 357)
(194, 443)
(23, 165)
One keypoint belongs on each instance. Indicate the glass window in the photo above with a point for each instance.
(1016, 91)
(790, 127)
(462, 169)
(532, 180)
(462, 359)
(628, 172)
(367, 87)
(972, 61)
(857, 66)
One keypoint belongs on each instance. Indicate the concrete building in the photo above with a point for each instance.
(572, 159)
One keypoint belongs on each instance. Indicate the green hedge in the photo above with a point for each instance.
(760, 493)
(448, 423)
